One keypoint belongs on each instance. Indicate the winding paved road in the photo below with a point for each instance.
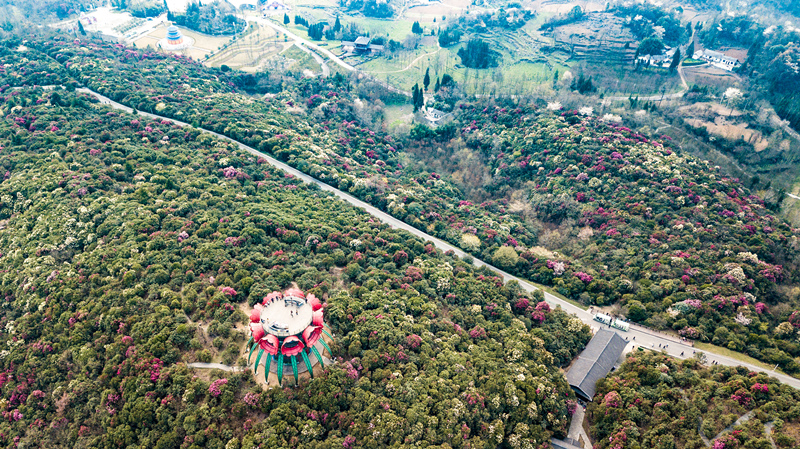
(305, 42)
(315, 51)
(638, 336)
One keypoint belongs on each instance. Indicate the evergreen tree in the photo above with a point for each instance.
(690, 50)
(555, 80)
(286, 19)
(337, 25)
(447, 81)
(315, 31)
(436, 86)
(80, 29)
(417, 97)
(676, 59)
(478, 55)
(416, 28)
(426, 81)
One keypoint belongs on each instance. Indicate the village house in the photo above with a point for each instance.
(362, 46)
(662, 60)
(718, 59)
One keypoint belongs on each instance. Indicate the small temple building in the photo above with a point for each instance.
(175, 40)
(289, 333)
(174, 36)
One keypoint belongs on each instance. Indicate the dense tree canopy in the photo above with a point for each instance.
(656, 401)
(633, 218)
(130, 246)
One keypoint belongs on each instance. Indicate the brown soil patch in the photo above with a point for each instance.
(698, 109)
(708, 74)
(732, 131)
(791, 429)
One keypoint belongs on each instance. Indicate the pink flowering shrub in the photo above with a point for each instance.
(477, 332)
(543, 306)
(612, 399)
(234, 241)
(251, 399)
(557, 267)
(229, 172)
(696, 303)
(743, 397)
(726, 442)
(215, 388)
(413, 341)
(227, 290)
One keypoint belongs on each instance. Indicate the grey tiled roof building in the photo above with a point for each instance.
(595, 362)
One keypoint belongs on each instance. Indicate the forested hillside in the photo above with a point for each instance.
(656, 401)
(635, 221)
(639, 223)
(128, 243)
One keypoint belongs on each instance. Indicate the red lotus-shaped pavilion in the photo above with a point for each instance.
(288, 326)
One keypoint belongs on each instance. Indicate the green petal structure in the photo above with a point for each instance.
(325, 345)
(258, 359)
(294, 369)
(308, 363)
(280, 369)
(251, 353)
(318, 356)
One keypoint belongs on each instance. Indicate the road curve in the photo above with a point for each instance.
(637, 335)
(305, 42)
(316, 49)
(326, 71)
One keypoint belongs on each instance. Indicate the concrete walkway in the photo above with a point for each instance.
(216, 366)
(576, 431)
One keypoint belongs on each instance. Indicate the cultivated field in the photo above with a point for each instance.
(250, 52)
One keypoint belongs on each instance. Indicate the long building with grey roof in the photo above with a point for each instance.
(595, 362)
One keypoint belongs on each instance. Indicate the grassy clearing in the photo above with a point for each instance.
(390, 29)
(303, 60)
(397, 115)
(690, 62)
(719, 350)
